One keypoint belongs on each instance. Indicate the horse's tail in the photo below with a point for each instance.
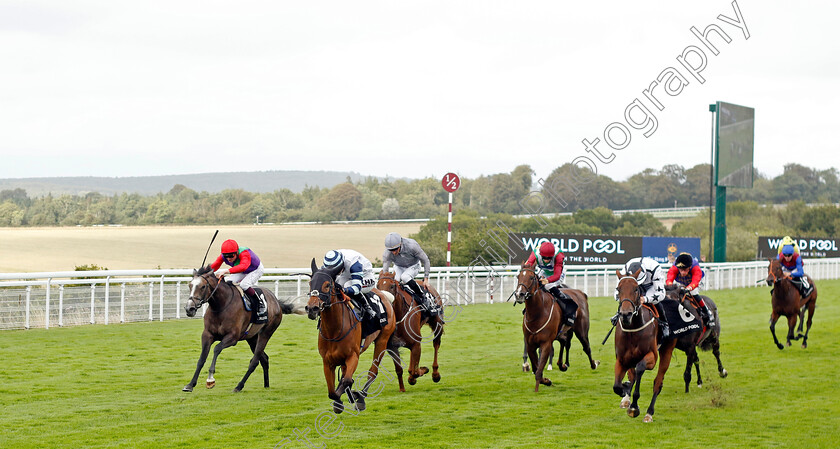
(291, 306)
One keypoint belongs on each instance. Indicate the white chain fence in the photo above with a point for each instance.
(69, 298)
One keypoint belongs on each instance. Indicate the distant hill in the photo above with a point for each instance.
(258, 182)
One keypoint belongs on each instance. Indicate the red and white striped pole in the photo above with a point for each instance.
(449, 233)
(450, 183)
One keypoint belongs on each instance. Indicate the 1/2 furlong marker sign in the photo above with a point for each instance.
(450, 183)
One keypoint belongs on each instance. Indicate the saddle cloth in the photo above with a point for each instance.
(680, 320)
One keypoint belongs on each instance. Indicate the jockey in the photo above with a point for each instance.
(354, 273)
(552, 271)
(245, 268)
(792, 262)
(407, 255)
(651, 281)
(686, 270)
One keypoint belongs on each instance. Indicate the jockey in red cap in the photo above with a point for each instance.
(550, 267)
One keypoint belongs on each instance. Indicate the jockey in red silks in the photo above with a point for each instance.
(552, 271)
(686, 270)
(245, 268)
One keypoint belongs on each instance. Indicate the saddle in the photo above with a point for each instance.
(259, 302)
(369, 324)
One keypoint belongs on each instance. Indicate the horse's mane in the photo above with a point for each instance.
(204, 270)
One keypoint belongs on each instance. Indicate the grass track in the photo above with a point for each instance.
(118, 386)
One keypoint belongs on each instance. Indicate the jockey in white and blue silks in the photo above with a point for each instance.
(407, 256)
(355, 275)
(651, 280)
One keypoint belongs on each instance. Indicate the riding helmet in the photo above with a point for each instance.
(787, 250)
(684, 260)
(392, 241)
(547, 249)
(333, 259)
(230, 246)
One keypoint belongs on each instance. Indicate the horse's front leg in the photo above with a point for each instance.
(638, 371)
(665, 353)
(773, 318)
(691, 360)
(545, 349)
(206, 341)
(228, 340)
(438, 330)
(329, 375)
(791, 327)
(619, 386)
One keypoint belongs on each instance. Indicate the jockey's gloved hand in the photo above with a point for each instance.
(221, 272)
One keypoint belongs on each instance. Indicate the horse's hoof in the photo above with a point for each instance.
(596, 364)
(632, 412)
(648, 418)
(187, 388)
(436, 377)
(338, 407)
(780, 346)
(423, 370)
(526, 368)
(211, 384)
(724, 373)
(699, 384)
(563, 367)
(625, 402)
(412, 380)
(804, 345)
(545, 381)
(402, 390)
(549, 368)
(360, 404)
(237, 389)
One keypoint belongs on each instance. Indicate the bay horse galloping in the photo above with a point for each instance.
(408, 330)
(636, 341)
(227, 321)
(787, 301)
(542, 320)
(708, 338)
(340, 336)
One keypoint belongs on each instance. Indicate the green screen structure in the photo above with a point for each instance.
(736, 133)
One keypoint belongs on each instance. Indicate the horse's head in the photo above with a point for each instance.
(774, 272)
(629, 295)
(527, 283)
(321, 290)
(387, 282)
(202, 287)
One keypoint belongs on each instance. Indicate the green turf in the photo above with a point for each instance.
(120, 386)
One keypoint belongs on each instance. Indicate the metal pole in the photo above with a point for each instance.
(151, 300)
(713, 110)
(107, 297)
(28, 300)
(60, 305)
(47, 306)
(161, 298)
(92, 298)
(178, 300)
(122, 302)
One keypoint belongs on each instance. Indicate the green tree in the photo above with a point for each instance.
(343, 202)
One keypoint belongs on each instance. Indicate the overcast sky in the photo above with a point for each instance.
(402, 88)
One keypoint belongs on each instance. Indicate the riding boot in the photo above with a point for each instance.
(256, 305)
(419, 295)
(710, 319)
(569, 306)
(366, 305)
(663, 321)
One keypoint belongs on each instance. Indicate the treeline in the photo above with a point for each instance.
(372, 198)
(746, 220)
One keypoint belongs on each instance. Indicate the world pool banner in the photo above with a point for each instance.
(818, 247)
(584, 249)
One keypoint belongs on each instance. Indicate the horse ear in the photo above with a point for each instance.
(636, 274)
(314, 266)
(618, 274)
(195, 272)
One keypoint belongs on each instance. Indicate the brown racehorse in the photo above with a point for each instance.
(408, 331)
(542, 321)
(340, 336)
(227, 321)
(787, 301)
(709, 338)
(636, 340)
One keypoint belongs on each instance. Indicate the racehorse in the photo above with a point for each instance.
(340, 336)
(407, 333)
(709, 338)
(542, 320)
(227, 321)
(636, 341)
(787, 301)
